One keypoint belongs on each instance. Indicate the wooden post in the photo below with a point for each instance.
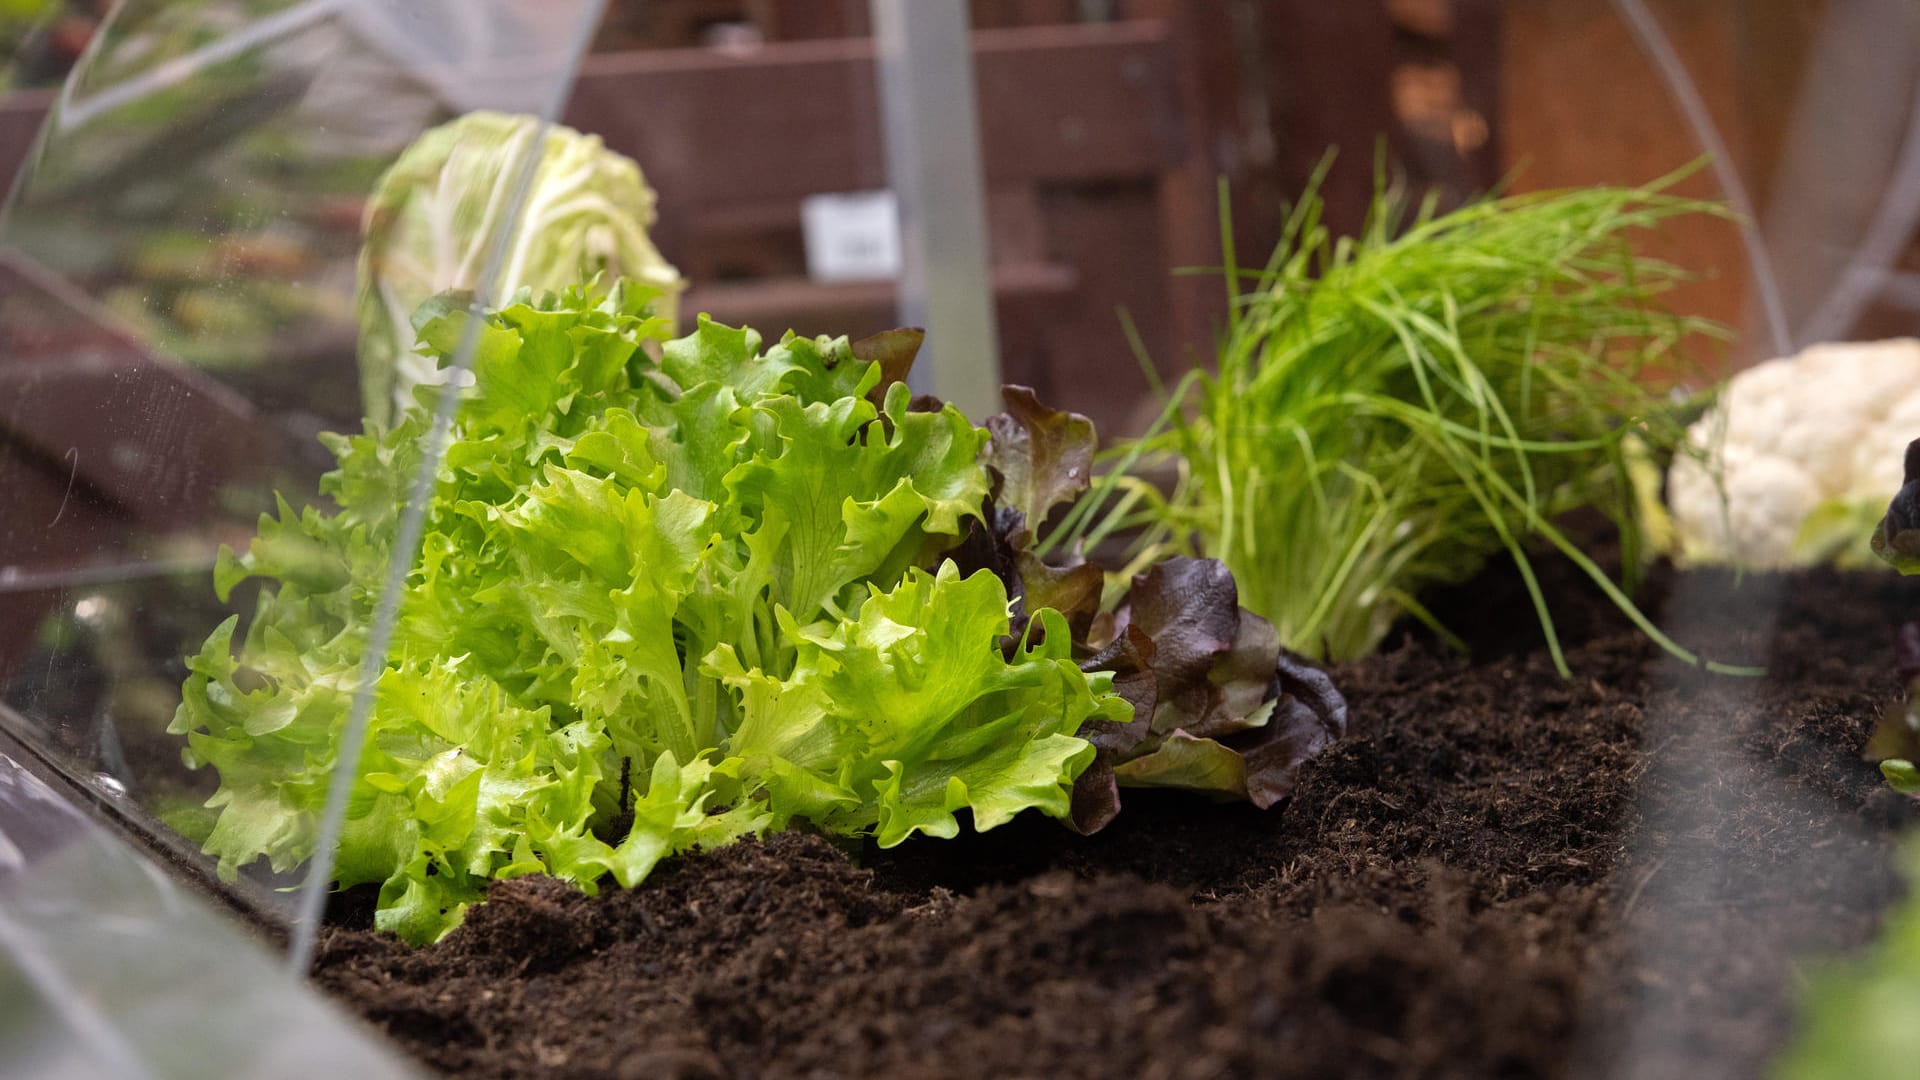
(1581, 105)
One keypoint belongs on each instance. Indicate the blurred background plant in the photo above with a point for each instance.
(43, 38)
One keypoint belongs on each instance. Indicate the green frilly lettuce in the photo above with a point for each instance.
(658, 605)
(437, 211)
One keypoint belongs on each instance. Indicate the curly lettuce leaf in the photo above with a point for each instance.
(895, 719)
(434, 214)
(709, 575)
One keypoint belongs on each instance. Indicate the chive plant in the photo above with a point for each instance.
(1391, 409)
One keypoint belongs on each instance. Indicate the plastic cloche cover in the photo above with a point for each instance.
(177, 276)
(177, 325)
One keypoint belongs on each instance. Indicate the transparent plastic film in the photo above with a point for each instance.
(181, 325)
(159, 984)
(1377, 528)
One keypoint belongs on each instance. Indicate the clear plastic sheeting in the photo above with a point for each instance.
(1838, 247)
(109, 968)
(177, 326)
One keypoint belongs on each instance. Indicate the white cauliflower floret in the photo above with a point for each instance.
(1767, 499)
(1823, 429)
(1878, 456)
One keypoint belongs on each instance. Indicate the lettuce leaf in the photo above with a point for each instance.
(1235, 713)
(433, 215)
(1219, 706)
(1895, 743)
(893, 720)
(710, 574)
(1897, 538)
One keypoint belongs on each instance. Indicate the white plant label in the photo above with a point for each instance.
(851, 236)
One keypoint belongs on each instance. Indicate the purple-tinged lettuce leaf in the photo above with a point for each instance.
(1191, 611)
(1043, 458)
(1096, 794)
(1895, 742)
(1180, 760)
(1309, 715)
(1225, 689)
(893, 353)
(1897, 539)
(1072, 589)
(1220, 706)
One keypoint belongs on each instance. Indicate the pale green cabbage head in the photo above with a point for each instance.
(434, 213)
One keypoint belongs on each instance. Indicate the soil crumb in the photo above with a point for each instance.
(1501, 873)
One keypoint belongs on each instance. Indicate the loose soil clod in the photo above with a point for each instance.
(1500, 874)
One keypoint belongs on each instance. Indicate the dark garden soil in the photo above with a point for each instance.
(1500, 874)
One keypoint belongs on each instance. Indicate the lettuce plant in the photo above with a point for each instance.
(1220, 706)
(438, 209)
(658, 605)
(1895, 743)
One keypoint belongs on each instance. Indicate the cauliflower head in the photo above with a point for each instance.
(1796, 462)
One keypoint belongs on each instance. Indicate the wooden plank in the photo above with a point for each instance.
(1211, 86)
(21, 113)
(809, 20)
(1581, 105)
(1067, 104)
(1070, 104)
(151, 436)
(856, 308)
(49, 524)
(1774, 50)
(676, 23)
(1023, 13)
(1329, 67)
(20, 618)
(1112, 235)
(53, 519)
(1476, 45)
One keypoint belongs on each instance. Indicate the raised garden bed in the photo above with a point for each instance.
(1500, 874)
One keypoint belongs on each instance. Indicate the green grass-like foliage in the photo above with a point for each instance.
(1391, 409)
(657, 606)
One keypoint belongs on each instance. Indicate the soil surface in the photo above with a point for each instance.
(1500, 874)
